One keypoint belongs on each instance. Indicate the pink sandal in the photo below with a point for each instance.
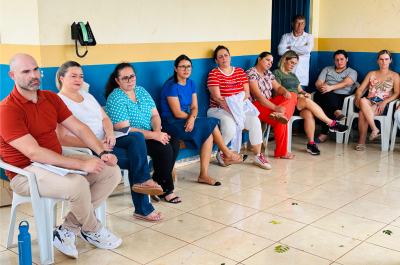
(289, 156)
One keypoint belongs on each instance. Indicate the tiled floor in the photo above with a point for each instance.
(328, 209)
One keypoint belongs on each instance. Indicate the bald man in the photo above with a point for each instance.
(28, 121)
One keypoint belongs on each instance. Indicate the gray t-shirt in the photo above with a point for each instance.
(331, 77)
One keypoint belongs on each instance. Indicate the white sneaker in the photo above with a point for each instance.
(220, 158)
(102, 239)
(64, 241)
(261, 162)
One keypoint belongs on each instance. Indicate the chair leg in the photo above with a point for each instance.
(101, 213)
(289, 132)
(12, 224)
(385, 135)
(44, 230)
(126, 177)
(350, 124)
(63, 208)
(393, 137)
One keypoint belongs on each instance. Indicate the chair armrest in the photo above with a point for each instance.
(70, 150)
(31, 179)
(391, 107)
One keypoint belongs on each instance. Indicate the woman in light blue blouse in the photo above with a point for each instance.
(129, 105)
(177, 96)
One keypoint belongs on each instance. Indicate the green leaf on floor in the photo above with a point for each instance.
(342, 226)
(341, 246)
(184, 177)
(180, 220)
(387, 232)
(275, 223)
(281, 249)
(294, 203)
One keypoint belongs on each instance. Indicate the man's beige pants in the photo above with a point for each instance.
(83, 193)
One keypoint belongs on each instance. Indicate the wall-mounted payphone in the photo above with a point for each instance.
(83, 33)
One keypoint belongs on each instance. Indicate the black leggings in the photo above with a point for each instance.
(164, 157)
(329, 102)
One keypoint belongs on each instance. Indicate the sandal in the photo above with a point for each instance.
(360, 147)
(209, 181)
(149, 190)
(155, 198)
(230, 162)
(172, 200)
(340, 117)
(289, 156)
(147, 218)
(374, 135)
(279, 117)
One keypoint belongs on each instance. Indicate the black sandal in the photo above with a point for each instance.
(171, 201)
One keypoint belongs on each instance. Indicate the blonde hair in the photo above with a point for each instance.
(288, 55)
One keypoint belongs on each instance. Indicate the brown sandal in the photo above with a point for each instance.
(209, 181)
(150, 190)
(279, 117)
(146, 218)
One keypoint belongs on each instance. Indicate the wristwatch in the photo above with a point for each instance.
(103, 153)
(193, 116)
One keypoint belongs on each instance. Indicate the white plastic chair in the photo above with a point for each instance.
(44, 214)
(395, 127)
(385, 121)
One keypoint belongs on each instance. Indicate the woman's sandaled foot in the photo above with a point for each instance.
(172, 198)
(288, 156)
(280, 117)
(149, 187)
(208, 180)
(155, 198)
(374, 135)
(322, 138)
(360, 147)
(153, 217)
(234, 159)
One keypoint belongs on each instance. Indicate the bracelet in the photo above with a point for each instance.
(103, 153)
(193, 116)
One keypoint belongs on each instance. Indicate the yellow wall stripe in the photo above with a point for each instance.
(55, 55)
(8, 50)
(359, 44)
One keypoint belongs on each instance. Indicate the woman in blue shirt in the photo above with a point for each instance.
(131, 105)
(179, 116)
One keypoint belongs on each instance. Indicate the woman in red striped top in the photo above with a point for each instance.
(225, 81)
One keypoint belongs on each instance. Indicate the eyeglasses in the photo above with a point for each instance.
(292, 63)
(299, 23)
(183, 67)
(126, 79)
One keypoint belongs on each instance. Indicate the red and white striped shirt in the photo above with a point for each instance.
(229, 85)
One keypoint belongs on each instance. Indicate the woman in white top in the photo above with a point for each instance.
(130, 150)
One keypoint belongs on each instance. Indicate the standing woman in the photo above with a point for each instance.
(129, 105)
(383, 88)
(305, 106)
(225, 81)
(276, 111)
(178, 95)
(130, 150)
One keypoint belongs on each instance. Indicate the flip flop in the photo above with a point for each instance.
(289, 156)
(146, 218)
(374, 135)
(279, 117)
(360, 147)
(149, 190)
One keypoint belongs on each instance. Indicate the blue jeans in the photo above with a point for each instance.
(131, 152)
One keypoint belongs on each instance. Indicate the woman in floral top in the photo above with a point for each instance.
(383, 88)
(275, 111)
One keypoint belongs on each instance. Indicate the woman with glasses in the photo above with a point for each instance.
(227, 81)
(130, 150)
(129, 105)
(305, 106)
(179, 116)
